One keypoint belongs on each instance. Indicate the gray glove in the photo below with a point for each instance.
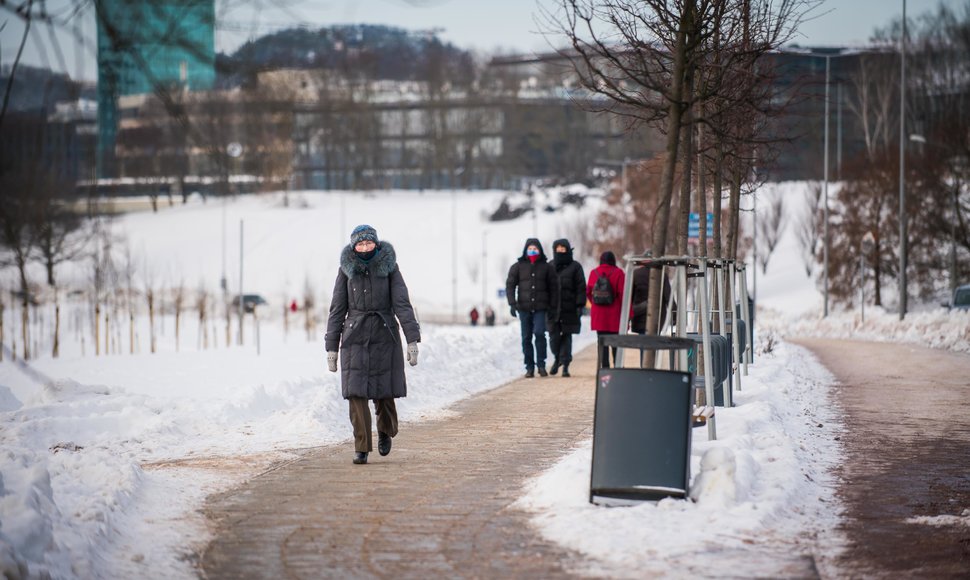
(412, 353)
(332, 361)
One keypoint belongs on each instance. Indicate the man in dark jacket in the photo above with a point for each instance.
(532, 289)
(572, 300)
(369, 299)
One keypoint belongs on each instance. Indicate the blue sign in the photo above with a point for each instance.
(501, 292)
(694, 226)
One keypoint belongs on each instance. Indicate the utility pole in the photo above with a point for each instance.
(825, 225)
(903, 242)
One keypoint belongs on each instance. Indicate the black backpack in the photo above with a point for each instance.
(602, 291)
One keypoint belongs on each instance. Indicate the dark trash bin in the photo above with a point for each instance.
(641, 429)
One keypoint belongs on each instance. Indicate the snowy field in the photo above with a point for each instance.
(105, 461)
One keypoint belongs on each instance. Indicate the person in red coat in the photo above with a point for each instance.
(606, 302)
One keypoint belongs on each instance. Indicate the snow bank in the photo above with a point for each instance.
(80, 493)
(939, 328)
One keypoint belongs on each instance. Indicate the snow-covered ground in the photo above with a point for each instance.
(104, 461)
(763, 492)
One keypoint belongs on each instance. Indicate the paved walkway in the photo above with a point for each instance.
(438, 506)
(907, 442)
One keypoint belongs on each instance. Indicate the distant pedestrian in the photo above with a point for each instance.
(294, 306)
(605, 293)
(489, 316)
(370, 298)
(572, 300)
(473, 315)
(640, 296)
(532, 289)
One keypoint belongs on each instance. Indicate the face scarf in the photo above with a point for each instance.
(366, 256)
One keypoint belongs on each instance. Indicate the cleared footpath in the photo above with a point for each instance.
(906, 476)
(438, 506)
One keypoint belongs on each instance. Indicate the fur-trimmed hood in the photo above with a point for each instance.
(382, 264)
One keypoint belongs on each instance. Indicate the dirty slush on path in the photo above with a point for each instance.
(906, 477)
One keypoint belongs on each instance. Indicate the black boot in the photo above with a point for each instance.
(383, 443)
(542, 372)
(360, 458)
(565, 370)
(555, 367)
(529, 373)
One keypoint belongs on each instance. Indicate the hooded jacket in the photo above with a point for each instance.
(533, 287)
(572, 287)
(369, 300)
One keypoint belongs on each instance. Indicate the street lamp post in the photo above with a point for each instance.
(903, 242)
(825, 225)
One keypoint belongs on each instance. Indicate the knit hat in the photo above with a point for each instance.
(607, 257)
(361, 233)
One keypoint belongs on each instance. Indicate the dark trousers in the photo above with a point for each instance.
(605, 355)
(533, 324)
(561, 343)
(360, 419)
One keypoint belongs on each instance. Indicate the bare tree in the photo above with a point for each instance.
(17, 234)
(771, 225)
(309, 304)
(644, 57)
(202, 306)
(178, 302)
(808, 231)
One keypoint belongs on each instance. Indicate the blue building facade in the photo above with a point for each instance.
(146, 46)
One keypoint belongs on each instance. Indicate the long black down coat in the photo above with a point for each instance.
(369, 298)
(572, 293)
(537, 284)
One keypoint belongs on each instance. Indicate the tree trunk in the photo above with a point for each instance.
(151, 321)
(701, 197)
(687, 132)
(662, 216)
(734, 210)
(716, 196)
(57, 331)
(97, 330)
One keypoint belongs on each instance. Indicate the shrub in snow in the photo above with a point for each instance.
(715, 484)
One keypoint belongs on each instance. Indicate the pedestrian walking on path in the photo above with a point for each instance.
(572, 300)
(605, 293)
(370, 299)
(532, 289)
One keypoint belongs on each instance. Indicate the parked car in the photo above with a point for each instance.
(250, 302)
(960, 299)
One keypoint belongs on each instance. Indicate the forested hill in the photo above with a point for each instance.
(371, 51)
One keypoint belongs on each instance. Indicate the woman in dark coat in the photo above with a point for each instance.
(572, 300)
(369, 299)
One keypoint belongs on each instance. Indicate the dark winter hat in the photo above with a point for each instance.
(562, 242)
(607, 257)
(361, 233)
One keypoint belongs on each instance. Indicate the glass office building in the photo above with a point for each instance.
(148, 46)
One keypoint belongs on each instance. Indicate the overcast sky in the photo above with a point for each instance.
(486, 25)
